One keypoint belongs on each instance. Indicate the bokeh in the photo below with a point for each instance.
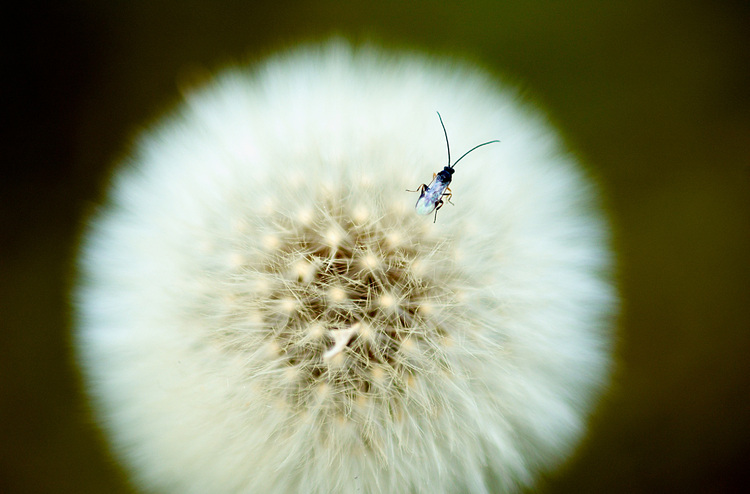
(654, 96)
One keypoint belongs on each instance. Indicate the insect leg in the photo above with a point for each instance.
(438, 205)
(421, 189)
(448, 194)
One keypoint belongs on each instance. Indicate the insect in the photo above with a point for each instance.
(431, 196)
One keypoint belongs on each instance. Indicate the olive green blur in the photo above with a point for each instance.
(654, 96)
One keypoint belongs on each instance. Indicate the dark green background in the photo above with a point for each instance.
(653, 95)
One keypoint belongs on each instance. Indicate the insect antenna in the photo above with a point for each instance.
(446, 139)
(472, 149)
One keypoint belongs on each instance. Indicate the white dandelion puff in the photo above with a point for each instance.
(261, 309)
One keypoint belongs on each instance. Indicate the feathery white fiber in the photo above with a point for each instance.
(261, 309)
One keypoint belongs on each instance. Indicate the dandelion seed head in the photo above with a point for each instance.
(324, 330)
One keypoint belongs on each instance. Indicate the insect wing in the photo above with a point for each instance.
(427, 202)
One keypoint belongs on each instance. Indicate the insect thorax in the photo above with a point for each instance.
(446, 175)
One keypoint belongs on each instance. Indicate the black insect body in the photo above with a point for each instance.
(432, 196)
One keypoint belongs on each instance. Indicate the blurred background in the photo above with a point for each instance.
(653, 95)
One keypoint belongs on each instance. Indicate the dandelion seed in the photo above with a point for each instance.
(341, 338)
(336, 295)
(272, 349)
(366, 332)
(333, 238)
(335, 361)
(291, 374)
(360, 214)
(446, 341)
(288, 305)
(271, 242)
(269, 205)
(370, 261)
(409, 346)
(236, 260)
(304, 216)
(377, 374)
(255, 317)
(315, 331)
(394, 239)
(426, 309)
(419, 268)
(387, 301)
(262, 286)
(362, 403)
(304, 271)
(239, 225)
(322, 391)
